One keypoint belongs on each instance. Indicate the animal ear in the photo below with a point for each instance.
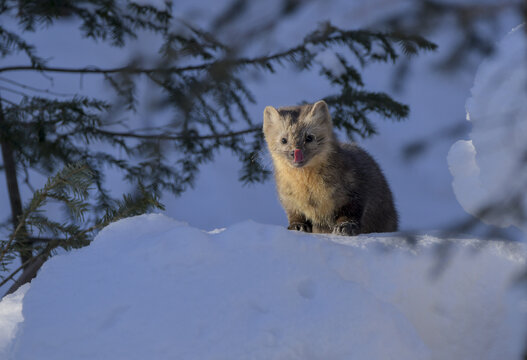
(320, 112)
(271, 116)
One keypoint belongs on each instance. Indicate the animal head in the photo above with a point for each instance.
(298, 135)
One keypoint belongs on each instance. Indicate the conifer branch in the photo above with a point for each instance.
(31, 267)
(329, 35)
(74, 177)
(24, 265)
(70, 186)
(13, 273)
(190, 136)
(32, 88)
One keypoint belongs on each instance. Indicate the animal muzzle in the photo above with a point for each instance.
(299, 155)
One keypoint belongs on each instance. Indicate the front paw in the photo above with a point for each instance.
(347, 228)
(305, 227)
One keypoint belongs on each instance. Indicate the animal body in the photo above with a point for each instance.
(325, 186)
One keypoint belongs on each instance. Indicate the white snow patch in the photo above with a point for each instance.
(492, 167)
(10, 317)
(216, 231)
(466, 184)
(151, 287)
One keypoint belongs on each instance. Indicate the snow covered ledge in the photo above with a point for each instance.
(153, 288)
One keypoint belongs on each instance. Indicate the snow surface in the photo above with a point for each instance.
(152, 287)
(10, 317)
(491, 166)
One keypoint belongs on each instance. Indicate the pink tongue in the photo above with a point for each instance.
(299, 156)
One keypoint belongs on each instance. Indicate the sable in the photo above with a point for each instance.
(325, 186)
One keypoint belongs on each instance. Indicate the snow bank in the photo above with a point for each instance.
(151, 287)
(491, 167)
(10, 317)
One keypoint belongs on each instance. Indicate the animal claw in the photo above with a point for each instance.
(347, 228)
(305, 227)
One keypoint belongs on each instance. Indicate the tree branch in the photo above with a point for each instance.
(31, 88)
(171, 69)
(31, 267)
(40, 239)
(138, 70)
(178, 137)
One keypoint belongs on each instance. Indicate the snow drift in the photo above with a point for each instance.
(490, 168)
(151, 287)
(10, 317)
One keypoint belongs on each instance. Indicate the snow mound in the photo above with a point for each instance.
(10, 317)
(151, 287)
(491, 167)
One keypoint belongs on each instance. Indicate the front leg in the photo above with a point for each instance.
(299, 222)
(348, 219)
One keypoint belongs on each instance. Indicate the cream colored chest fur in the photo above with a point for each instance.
(304, 191)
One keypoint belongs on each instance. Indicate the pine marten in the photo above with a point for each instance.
(325, 186)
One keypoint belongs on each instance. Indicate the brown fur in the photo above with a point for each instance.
(338, 188)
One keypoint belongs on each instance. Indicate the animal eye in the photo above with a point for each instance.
(309, 138)
(283, 141)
